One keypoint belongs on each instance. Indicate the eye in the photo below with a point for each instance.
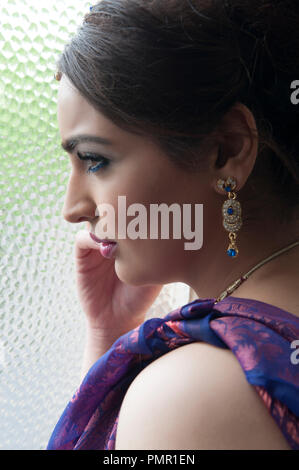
(91, 157)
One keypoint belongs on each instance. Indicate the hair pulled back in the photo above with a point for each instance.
(171, 69)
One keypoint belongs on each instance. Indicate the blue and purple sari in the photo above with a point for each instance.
(261, 336)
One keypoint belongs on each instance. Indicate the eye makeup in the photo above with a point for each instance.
(91, 157)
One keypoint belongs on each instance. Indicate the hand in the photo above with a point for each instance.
(111, 306)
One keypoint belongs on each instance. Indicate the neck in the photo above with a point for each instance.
(220, 271)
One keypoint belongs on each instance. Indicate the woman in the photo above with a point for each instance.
(191, 102)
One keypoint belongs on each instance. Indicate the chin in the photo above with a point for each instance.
(134, 277)
(127, 274)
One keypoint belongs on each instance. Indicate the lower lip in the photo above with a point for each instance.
(108, 249)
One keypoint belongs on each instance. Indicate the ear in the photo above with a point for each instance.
(237, 145)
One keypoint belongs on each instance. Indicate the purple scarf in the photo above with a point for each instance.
(259, 334)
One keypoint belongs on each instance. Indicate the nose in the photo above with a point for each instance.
(78, 204)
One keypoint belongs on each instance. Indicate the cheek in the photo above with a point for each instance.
(150, 261)
(146, 261)
(145, 186)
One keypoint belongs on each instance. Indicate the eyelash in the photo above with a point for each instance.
(91, 157)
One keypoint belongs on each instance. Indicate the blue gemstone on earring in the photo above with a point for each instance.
(230, 211)
(228, 188)
(231, 252)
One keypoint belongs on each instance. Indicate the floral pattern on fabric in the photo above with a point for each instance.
(259, 334)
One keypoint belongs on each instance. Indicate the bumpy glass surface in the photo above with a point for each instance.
(41, 322)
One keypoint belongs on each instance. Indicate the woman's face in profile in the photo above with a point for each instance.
(134, 167)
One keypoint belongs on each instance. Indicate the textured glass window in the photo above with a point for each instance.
(42, 324)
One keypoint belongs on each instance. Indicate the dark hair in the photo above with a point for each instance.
(171, 69)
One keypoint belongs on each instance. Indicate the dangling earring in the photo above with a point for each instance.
(231, 212)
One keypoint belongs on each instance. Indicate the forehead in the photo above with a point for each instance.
(76, 115)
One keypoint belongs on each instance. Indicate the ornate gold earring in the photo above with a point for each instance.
(231, 212)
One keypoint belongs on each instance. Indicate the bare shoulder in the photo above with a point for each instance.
(195, 397)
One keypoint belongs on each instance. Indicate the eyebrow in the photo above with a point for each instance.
(70, 144)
